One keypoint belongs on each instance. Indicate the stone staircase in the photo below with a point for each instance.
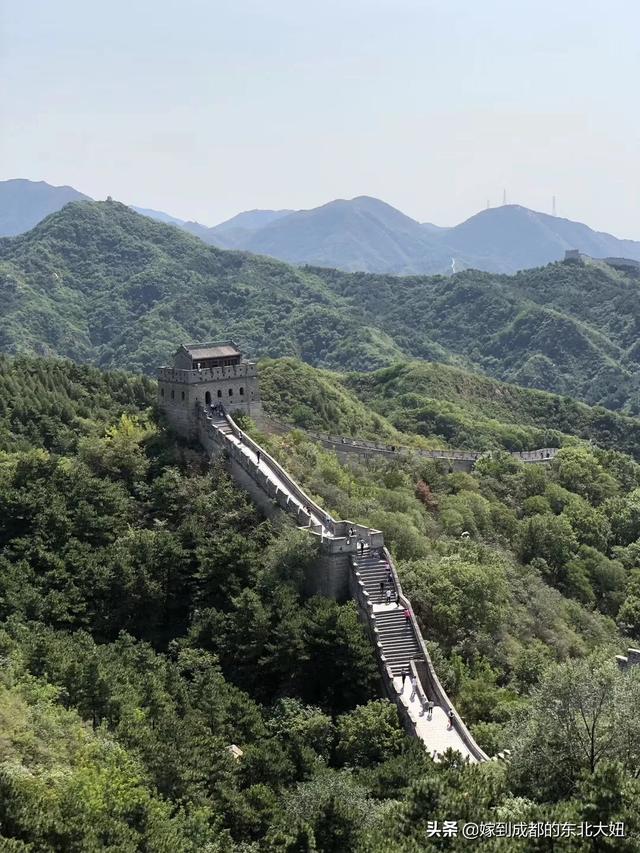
(221, 423)
(374, 571)
(399, 643)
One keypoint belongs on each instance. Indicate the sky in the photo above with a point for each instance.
(204, 108)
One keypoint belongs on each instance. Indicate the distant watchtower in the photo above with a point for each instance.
(203, 374)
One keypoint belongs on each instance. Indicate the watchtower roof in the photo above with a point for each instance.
(213, 349)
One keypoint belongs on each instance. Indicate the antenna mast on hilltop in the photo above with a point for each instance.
(504, 196)
(488, 204)
(553, 207)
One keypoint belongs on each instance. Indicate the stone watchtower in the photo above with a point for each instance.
(203, 374)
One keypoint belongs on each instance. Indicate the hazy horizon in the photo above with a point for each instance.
(142, 207)
(203, 110)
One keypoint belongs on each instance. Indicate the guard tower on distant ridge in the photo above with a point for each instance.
(203, 374)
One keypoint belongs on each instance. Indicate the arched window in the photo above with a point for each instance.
(231, 392)
(183, 395)
(207, 398)
(241, 391)
(219, 393)
(173, 394)
(162, 392)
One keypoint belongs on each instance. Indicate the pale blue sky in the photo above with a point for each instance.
(203, 108)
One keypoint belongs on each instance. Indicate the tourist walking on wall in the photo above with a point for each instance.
(451, 716)
(258, 456)
(388, 596)
(414, 687)
(407, 617)
(361, 546)
(404, 675)
(381, 589)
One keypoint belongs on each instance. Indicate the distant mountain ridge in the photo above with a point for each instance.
(360, 234)
(98, 282)
(24, 203)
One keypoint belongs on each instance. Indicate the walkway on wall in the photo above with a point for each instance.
(264, 463)
(401, 645)
(396, 637)
(343, 444)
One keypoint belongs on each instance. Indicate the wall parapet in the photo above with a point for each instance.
(339, 543)
(342, 444)
(428, 683)
(295, 489)
(433, 687)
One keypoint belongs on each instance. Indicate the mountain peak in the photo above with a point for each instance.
(24, 203)
(363, 233)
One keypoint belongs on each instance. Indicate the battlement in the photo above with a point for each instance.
(207, 374)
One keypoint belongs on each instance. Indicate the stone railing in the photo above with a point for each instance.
(268, 486)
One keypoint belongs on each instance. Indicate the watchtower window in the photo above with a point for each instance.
(173, 394)
(231, 392)
(219, 393)
(162, 392)
(183, 395)
(207, 398)
(241, 391)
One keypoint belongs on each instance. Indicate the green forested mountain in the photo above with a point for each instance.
(569, 328)
(433, 405)
(149, 619)
(101, 284)
(467, 410)
(98, 283)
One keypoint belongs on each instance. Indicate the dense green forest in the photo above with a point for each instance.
(98, 283)
(150, 619)
(433, 405)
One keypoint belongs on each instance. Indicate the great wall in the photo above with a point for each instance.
(196, 395)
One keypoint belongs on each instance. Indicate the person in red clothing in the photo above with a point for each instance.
(407, 616)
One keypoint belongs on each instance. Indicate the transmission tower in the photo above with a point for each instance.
(553, 207)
